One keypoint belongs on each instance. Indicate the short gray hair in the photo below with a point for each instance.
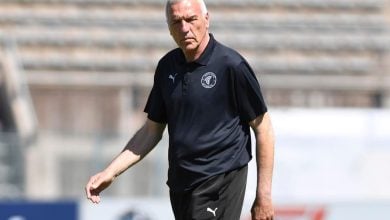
(202, 4)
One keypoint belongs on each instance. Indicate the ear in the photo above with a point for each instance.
(207, 18)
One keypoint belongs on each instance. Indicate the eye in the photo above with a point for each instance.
(175, 21)
(191, 19)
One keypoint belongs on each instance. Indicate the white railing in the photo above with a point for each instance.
(17, 94)
(11, 166)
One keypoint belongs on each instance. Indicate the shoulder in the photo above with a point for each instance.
(228, 55)
(237, 66)
(171, 56)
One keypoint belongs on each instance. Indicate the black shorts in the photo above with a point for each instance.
(219, 197)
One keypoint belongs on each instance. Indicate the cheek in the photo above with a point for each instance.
(175, 36)
(173, 33)
(202, 27)
(200, 30)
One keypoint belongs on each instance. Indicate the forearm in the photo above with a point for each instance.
(265, 162)
(263, 130)
(121, 163)
(137, 148)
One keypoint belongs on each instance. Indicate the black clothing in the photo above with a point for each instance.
(218, 198)
(207, 105)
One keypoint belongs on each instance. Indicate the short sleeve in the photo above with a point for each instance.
(155, 107)
(248, 94)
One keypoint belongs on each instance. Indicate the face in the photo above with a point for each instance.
(188, 26)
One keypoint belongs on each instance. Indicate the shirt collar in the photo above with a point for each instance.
(205, 56)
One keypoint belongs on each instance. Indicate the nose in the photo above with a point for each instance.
(184, 26)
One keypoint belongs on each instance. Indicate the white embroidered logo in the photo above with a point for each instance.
(209, 80)
(212, 211)
(172, 77)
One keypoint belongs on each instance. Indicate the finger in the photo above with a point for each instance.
(88, 190)
(88, 187)
(92, 185)
(95, 199)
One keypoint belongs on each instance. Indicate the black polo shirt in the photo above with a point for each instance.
(207, 105)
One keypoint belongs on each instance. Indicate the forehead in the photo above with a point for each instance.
(184, 8)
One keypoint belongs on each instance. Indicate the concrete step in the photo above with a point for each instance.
(314, 4)
(145, 38)
(133, 62)
(331, 82)
(39, 78)
(135, 18)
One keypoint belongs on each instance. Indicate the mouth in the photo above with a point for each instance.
(187, 40)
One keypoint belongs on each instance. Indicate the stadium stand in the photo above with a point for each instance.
(286, 37)
(90, 63)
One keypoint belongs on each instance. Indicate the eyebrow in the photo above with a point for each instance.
(184, 17)
(192, 17)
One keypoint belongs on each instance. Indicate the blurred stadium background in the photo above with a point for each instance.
(75, 75)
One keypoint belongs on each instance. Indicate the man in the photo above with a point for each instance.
(209, 97)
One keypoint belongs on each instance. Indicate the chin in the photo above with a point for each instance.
(189, 47)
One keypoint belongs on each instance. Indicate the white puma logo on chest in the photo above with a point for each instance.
(212, 211)
(172, 77)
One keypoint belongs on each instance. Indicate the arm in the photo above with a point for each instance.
(262, 208)
(138, 147)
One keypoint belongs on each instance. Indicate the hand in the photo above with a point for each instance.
(262, 209)
(97, 184)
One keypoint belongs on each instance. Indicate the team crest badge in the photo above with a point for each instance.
(209, 80)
